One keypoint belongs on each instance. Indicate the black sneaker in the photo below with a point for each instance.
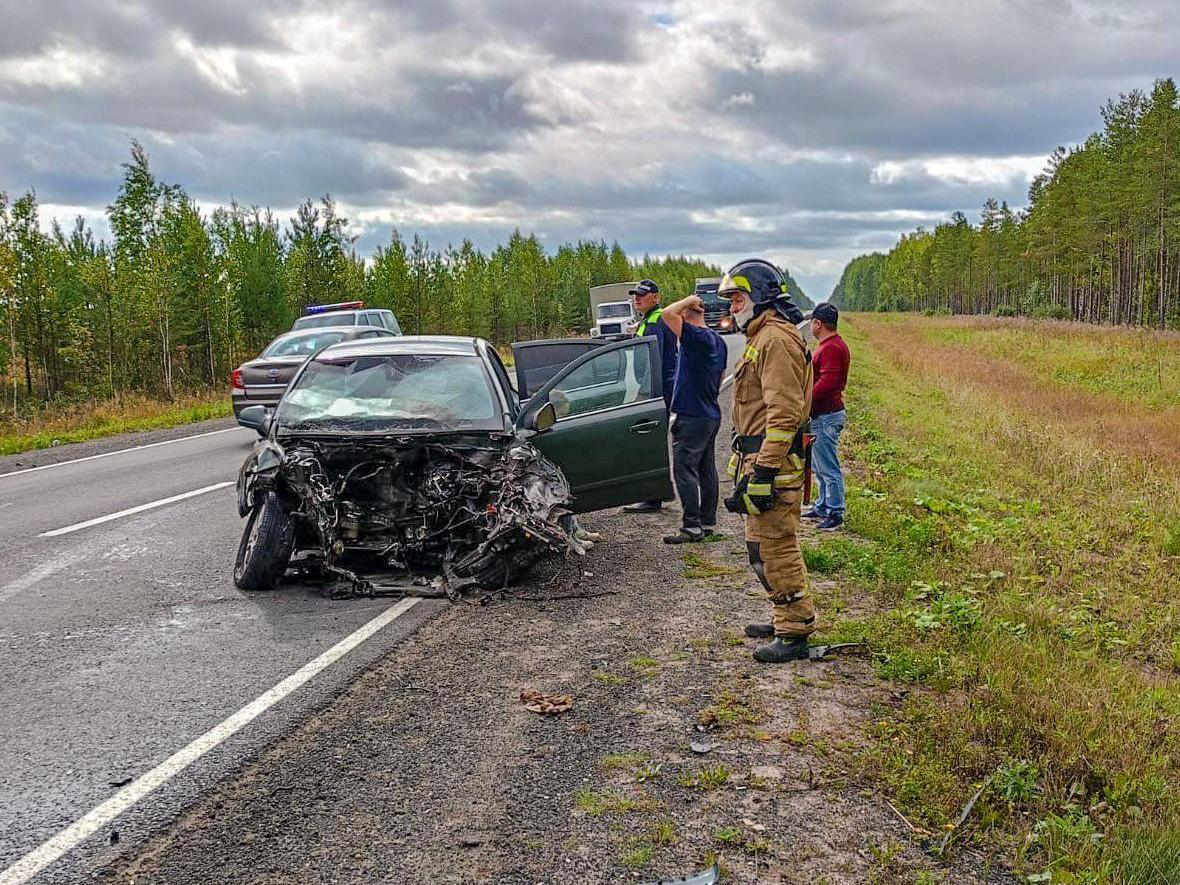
(760, 631)
(830, 523)
(685, 536)
(813, 514)
(782, 650)
(644, 507)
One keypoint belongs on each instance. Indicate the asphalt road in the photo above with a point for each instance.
(122, 642)
(123, 639)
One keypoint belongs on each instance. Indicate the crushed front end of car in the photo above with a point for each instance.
(433, 515)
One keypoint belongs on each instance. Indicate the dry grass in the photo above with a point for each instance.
(78, 422)
(1109, 417)
(1021, 530)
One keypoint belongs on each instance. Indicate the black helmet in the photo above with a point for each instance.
(759, 279)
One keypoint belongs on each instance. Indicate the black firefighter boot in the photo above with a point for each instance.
(782, 650)
(760, 631)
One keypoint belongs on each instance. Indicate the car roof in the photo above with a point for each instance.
(423, 345)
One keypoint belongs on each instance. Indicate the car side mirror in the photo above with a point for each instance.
(544, 418)
(257, 418)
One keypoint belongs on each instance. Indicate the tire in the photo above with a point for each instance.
(266, 546)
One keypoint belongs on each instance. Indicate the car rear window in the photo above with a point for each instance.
(344, 318)
(302, 345)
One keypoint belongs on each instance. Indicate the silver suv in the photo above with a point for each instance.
(347, 313)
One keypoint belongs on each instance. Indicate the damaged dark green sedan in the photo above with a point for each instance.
(413, 462)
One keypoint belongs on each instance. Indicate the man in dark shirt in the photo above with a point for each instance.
(830, 363)
(646, 297)
(698, 417)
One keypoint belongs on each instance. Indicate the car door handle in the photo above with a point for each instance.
(644, 426)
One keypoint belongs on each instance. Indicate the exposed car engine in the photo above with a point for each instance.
(396, 516)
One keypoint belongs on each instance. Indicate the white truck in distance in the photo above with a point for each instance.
(612, 315)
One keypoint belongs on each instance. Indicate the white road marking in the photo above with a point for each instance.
(86, 826)
(151, 505)
(119, 452)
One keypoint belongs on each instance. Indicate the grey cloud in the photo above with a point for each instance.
(446, 109)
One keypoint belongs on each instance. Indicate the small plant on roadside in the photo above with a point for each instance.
(733, 639)
(704, 778)
(663, 833)
(645, 773)
(697, 566)
(608, 678)
(729, 835)
(616, 761)
(1171, 542)
(637, 856)
(645, 666)
(1016, 782)
(730, 709)
(595, 803)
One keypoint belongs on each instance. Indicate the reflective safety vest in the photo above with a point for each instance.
(650, 320)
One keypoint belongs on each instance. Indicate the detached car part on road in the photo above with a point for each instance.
(410, 465)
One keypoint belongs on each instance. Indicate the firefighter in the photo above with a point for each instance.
(771, 405)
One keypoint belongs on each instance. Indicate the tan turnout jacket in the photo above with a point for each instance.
(772, 395)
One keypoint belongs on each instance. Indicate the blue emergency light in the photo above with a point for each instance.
(326, 308)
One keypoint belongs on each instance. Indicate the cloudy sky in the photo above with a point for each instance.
(806, 130)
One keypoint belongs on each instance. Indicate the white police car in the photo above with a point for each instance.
(346, 313)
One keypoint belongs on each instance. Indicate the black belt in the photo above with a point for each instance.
(748, 445)
(752, 444)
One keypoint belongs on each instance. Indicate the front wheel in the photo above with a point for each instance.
(266, 545)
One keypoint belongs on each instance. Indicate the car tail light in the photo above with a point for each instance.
(235, 380)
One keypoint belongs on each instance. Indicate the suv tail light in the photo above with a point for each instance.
(235, 380)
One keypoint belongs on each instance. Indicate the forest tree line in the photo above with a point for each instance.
(1099, 241)
(176, 300)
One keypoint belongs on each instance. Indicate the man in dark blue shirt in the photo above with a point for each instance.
(646, 297)
(697, 417)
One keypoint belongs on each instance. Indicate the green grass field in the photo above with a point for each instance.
(1015, 516)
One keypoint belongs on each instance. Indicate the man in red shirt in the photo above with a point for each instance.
(830, 363)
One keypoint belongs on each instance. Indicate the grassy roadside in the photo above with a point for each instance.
(1136, 366)
(89, 421)
(1028, 578)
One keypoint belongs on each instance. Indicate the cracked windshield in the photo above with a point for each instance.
(396, 392)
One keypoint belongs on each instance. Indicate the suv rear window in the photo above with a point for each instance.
(335, 318)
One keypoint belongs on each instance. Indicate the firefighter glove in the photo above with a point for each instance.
(734, 503)
(759, 493)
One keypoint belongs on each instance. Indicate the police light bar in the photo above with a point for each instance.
(326, 308)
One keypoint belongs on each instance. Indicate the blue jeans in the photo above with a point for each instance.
(825, 462)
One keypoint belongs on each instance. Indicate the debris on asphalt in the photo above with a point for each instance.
(701, 747)
(121, 782)
(705, 877)
(545, 704)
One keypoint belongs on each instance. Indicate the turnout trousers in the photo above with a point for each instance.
(772, 540)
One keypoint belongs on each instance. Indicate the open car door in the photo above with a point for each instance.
(538, 361)
(611, 433)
